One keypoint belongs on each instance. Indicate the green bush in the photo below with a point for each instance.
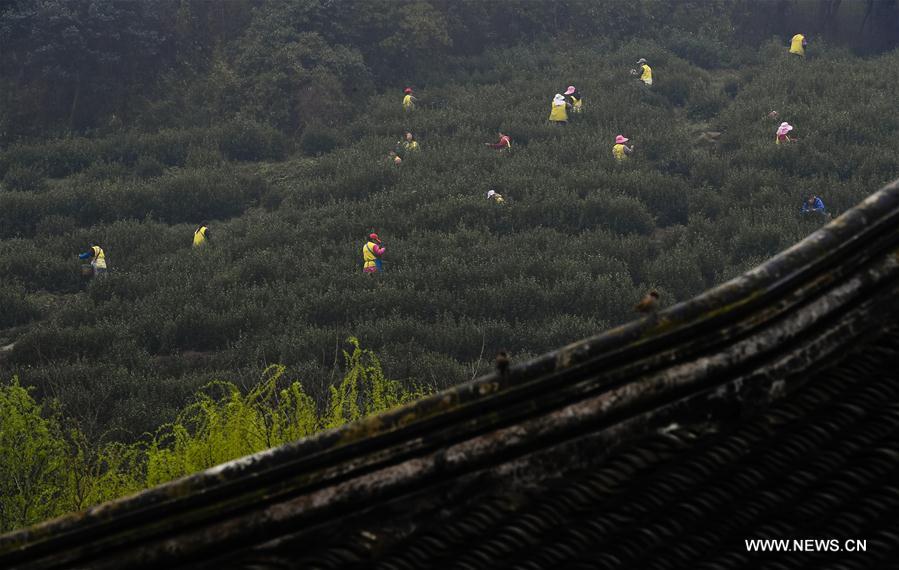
(48, 470)
(48, 343)
(317, 140)
(55, 224)
(24, 179)
(203, 157)
(705, 52)
(102, 170)
(240, 139)
(16, 308)
(32, 464)
(675, 89)
(67, 156)
(244, 139)
(148, 167)
(706, 103)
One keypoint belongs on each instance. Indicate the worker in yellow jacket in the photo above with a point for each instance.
(97, 259)
(559, 113)
(620, 150)
(371, 255)
(797, 45)
(645, 72)
(408, 99)
(407, 145)
(201, 235)
(575, 98)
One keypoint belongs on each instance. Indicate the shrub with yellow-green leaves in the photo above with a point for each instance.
(47, 469)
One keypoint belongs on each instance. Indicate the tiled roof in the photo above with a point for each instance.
(821, 464)
(761, 408)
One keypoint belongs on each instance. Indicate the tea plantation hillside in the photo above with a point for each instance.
(130, 123)
(578, 240)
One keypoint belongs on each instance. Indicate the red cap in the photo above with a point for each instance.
(407, 90)
(374, 237)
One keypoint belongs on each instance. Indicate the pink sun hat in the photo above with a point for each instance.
(784, 128)
(620, 139)
(570, 90)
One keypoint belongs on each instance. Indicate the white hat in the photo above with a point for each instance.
(490, 193)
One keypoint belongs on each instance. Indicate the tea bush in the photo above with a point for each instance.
(318, 140)
(237, 139)
(24, 179)
(16, 309)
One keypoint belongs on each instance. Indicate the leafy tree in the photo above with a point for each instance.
(80, 61)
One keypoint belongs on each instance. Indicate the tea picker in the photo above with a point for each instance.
(620, 150)
(813, 205)
(645, 72)
(797, 45)
(782, 134)
(558, 115)
(505, 142)
(202, 235)
(496, 197)
(575, 99)
(97, 257)
(371, 255)
(409, 100)
(408, 144)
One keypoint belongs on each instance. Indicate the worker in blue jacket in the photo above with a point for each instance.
(813, 205)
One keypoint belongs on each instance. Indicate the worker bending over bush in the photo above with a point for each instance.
(97, 258)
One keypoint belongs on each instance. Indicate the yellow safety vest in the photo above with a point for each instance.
(796, 45)
(646, 77)
(200, 236)
(368, 255)
(411, 146)
(99, 261)
(618, 152)
(408, 104)
(559, 113)
(577, 105)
